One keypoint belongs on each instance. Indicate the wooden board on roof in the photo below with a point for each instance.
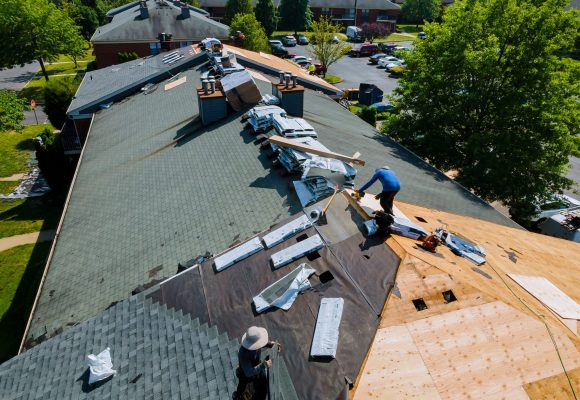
(545, 291)
(554, 387)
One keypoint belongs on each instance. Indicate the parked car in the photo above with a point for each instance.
(389, 67)
(302, 40)
(556, 204)
(275, 43)
(383, 62)
(319, 69)
(387, 48)
(280, 51)
(375, 58)
(303, 63)
(289, 41)
(297, 59)
(382, 107)
(365, 50)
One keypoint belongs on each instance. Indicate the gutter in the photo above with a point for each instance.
(54, 242)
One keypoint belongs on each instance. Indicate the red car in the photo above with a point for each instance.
(365, 50)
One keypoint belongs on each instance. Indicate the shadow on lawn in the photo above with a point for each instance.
(13, 322)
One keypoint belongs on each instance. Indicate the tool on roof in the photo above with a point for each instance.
(294, 144)
(322, 217)
(430, 243)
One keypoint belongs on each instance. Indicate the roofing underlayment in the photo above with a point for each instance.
(154, 188)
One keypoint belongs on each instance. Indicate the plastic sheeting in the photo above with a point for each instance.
(283, 292)
(33, 185)
(100, 366)
(325, 341)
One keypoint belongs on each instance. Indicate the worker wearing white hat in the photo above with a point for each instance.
(251, 368)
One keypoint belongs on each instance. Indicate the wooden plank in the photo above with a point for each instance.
(489, 351)
(175, 83)
(293, 144)
(554, 387)
(549, 294)
(394, 369)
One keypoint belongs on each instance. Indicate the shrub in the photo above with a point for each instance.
(125, 56)
(369, 115)
(58, 94)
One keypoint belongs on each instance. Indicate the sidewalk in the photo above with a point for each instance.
(27, 238)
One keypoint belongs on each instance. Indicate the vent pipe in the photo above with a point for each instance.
(286, 80)
(294, 77)
(204, 84)
(281, 75)
(212, 85)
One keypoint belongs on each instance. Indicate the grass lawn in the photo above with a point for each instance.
(410, 28)
(34, 89)
(20, 216)
(7, 187)
(394, 37)
(278, 35)
(68, 68)
(89, 56)
(333, 79)
(15, 149)
(21, 269)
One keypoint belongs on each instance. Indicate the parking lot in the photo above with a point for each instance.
(357, 70)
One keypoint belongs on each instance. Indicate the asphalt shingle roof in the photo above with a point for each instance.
(127, 25)
(141, 203)
(157, 353)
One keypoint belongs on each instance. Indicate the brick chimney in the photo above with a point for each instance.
(211, 101)
(291, 94)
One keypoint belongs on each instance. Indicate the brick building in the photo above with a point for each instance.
(140, 27)
(341, 11)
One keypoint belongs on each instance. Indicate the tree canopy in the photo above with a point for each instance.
(295, 15)
(266, 14)
(373, 30)
(234, 7)
(11, 111)
(488, 95)
(35, 30)
(255, 37)
(322, 45)
(419, 10)
(58, 93)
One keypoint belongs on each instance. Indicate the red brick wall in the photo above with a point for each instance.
(82, 126)
(106, 54)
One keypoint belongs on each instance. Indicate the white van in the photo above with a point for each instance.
(354, 33)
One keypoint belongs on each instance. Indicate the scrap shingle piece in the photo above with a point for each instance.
(296, 251)
(325, 339)
(239, 253)
(286, 231)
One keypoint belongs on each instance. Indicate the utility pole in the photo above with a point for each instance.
(355, 11)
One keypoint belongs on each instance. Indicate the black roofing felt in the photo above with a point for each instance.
(157, 353)
(363, 273)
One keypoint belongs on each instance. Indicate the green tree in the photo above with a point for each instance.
(369, 115)
(11, 111)
(234, 7)
(295, 15)
(34, 30)
(488, 94)
(419, 10)
(86, 17)
(255, 37)
(266, 14)
(322, 47)
(58, 93)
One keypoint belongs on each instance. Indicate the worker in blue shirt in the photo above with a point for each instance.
(391, 186)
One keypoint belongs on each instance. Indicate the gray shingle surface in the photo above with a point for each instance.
(127, 25)
(156, 352)
(141, 204)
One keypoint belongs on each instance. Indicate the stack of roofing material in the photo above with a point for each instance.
(462, 247)
(296, 251)
(325, 341)
(237, 254)
(293, 127)
(212, 46)
(260, 118)
(286, 231)
(225, 65)
(240, 89)
(313, 188)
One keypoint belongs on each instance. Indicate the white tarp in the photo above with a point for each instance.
(100, 366)
(284, 291)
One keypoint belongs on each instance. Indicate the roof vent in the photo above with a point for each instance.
(291, 94)
(184, 11)
(211, 101)
(143, 10)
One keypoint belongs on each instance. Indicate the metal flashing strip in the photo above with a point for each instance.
(239, 253)
(326, 332)
(296, 251)
(286, 231)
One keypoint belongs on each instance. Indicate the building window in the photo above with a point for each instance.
(348, 13)
(365, 14)
(185, 44)
(155, 48)
(325, 11)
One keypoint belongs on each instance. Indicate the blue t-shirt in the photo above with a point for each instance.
(387, 178)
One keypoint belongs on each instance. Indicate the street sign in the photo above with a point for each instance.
(32, 104)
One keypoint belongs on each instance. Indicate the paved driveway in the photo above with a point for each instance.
(15, 78)
(357, 70)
